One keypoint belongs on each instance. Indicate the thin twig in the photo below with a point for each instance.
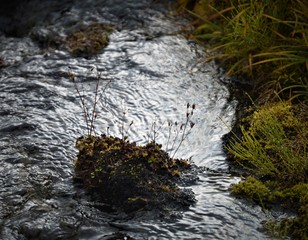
(189, 114)
(169, 133)
(89, 118)
(93, 116)
(71, 76)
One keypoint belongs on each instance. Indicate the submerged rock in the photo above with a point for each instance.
(131, 177)
(2, 63)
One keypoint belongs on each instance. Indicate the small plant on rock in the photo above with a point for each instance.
(126, 175)
(131, 177)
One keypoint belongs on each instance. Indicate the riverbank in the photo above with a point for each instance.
(264, 46)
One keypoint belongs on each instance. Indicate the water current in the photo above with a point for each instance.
(153, 72)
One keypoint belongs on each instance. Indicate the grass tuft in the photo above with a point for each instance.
(274, 145)
(260, 39)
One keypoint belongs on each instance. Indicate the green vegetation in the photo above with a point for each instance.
(89, 40)
(265, 43)
(263, 40)
(267, 193)
(274, 150)
(274, 145)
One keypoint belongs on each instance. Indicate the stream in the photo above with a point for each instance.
(152, 72)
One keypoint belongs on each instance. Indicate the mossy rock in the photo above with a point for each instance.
(272, 194)
(131, 177)
(89, 40)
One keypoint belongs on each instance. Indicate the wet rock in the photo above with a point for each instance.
(2, 63)
(18, 127)
(19, 17)
(46, 38)
(131, 177)
(117, 236)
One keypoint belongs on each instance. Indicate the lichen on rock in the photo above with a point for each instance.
(131, 177)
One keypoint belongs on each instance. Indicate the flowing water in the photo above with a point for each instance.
(152, 72)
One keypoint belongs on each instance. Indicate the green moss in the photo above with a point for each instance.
(274, 149)
(297, 227)
(89, 40)
(274, 144)
(294, 198)
(252, 189)
(129, 176)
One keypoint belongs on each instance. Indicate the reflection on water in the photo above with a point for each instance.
(154, 73)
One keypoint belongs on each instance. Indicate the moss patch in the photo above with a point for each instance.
(252, 189)
(89, 40)
(273, 147)
(271, 193)
(131, 177)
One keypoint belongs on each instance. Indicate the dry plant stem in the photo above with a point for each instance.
(89, 117)
(184, 134)
(182, 139)
(179, 129)
(169, 134)
(155, 131)
(129, 127)
(176, 136)
(123, 121)
(71, 76)
(104, 103)
(93, 116)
